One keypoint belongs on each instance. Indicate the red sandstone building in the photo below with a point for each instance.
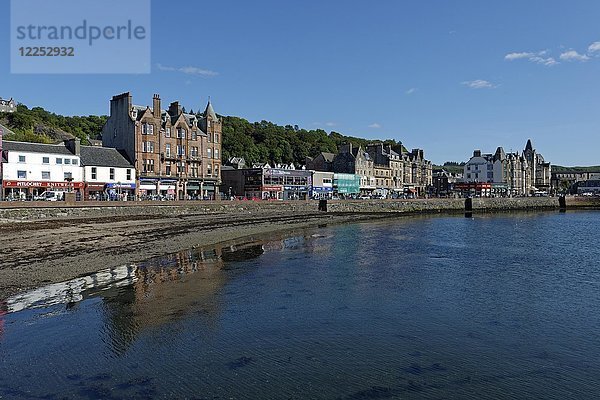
(176, 154)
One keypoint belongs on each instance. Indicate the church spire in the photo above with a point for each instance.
(528, 146)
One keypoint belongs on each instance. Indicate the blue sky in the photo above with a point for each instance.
(445, 76)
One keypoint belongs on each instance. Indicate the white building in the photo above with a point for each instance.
(107, 174)
(29, 169)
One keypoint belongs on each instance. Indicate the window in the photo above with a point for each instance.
(59, 161)
(46, 175)
(194, 171)
(217, 154)
(68, 175)
(148, 147)
(209, 153)
(45, 160)
(67, 161)
(216, 138)
(94, 173)
(148, 165)
(22, 174)
(128, 174)
(194, 135)
(112, 174)
(181, 133)
(167, 132)
(167, 150)
(74, 161)
(180, 168)
(168, 168)
(148, 129)
(180, 150)
(208, 136)
(216, 170)
(21, 158)
(208, 170)
(194, 151)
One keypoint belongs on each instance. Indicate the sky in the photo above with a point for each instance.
(445, 76)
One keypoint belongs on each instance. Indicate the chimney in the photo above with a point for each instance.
(174, 109)
(74, 145)
(156, 106)
(477, 153)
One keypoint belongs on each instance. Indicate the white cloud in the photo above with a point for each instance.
(189, 70)
(411, 90)
(517, 56)
(594, 47)
(479, 84)
(375, 125)
(330, 124)
(537, 57)
(572, 55)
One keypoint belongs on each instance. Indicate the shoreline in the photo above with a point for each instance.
(47, 245)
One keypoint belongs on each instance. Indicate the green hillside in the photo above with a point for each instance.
(257, 142)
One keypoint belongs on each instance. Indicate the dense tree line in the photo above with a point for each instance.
(268, 142)
(39, 125)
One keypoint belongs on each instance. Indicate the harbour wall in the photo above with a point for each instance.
(30, 211)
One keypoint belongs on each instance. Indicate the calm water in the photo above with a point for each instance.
(504, 306)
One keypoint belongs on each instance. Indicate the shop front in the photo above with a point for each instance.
(30, 190)
(272, 192)
(148, 188)
(94, 191)
(120, 191)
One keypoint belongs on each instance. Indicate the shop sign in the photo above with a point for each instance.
(43, 184)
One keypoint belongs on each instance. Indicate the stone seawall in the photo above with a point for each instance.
(43, 211)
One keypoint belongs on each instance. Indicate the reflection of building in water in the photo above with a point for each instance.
(73, 290)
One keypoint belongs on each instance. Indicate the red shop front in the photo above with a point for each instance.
(27, 190)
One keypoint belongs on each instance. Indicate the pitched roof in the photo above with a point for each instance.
(103, 157)
(528, 146)
(27, 147)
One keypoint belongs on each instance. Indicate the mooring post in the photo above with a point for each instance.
(323, 205)
(468, 207)
(562, 203)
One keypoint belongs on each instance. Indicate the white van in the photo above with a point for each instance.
(50, 195)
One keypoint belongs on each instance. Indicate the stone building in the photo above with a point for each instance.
(389, 168)
(418, 172)
(355, 160)
(175, 154)
(322, 162)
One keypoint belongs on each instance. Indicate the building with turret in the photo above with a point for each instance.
(176, 155)
(506, 174)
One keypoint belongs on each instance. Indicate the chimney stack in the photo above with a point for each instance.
(477, 153)
(156, 106)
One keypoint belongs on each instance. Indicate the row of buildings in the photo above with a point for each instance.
(381, 170)
(376, 171)
(146, 152)
(506, 174)
(29, 170)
